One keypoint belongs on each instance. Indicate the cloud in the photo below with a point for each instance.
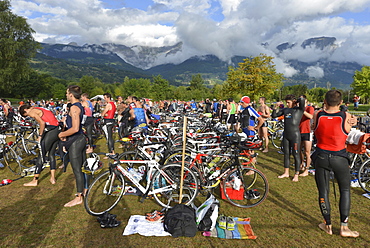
(315, 72)
(241, 30)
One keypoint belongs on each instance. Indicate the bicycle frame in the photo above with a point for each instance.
(152, 165)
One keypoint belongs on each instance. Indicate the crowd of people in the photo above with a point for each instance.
(69, 125)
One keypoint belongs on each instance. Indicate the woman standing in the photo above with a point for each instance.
(75, 141)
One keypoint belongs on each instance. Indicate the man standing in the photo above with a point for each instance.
(109, 121)
(306, 137)
(264, 111)
(248, 117)
(356, 101)
(231, 114)
(89, 122)
(292, 136)
(331, 128)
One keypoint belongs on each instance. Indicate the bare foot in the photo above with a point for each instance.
(249, 173)
(61, 167)
(74, 202)
(346, 232)
(266, 150)
(31, 184)
(52, 180)
(295, 178)
(304, 174)
(326, 228)
(283, 176)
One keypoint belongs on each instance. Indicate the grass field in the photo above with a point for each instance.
(35, 216)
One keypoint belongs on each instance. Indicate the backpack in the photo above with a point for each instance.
(126, 125)
(207, 213)
(180, 221)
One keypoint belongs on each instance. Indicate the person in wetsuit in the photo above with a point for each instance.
(48, 139)
(292, 136)
(89, 122)
(109, 121)
(74, 142)
(331, 127)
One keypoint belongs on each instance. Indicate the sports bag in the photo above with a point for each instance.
(207, 213)
(180, 221)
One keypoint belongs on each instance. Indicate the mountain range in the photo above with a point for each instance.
(113, 62)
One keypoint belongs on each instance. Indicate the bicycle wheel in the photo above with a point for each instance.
(12, 160)
(246, 161)
(356, 160)
(176, 157)
(276, 138)
(252, 184)
(104, 193)
(166, 185)
(31, 147)
(364, 176)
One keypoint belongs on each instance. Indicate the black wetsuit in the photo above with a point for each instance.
(330, 155)
(76, 146)
(49, 143)
(292, 136)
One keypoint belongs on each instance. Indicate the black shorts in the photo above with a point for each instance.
(231, 119)
(264, 124)
(306, 136)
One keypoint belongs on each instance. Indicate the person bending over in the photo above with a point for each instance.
(48, 139)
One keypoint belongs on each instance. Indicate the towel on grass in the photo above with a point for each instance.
(138, 224)
(243, 230)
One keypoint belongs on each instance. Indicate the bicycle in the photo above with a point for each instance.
(9, 156)
(230, 171)
(275, 131)
(163, 183)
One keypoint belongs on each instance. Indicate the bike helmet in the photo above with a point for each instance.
(253, 144)
(92, 164)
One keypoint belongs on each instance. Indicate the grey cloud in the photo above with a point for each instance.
(246, 25)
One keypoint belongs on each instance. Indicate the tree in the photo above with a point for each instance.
(88, 83)
(161, 89)
(361, 82)
(17, 46)
(255, 77)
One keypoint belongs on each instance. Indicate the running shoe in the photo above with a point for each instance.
(116, 190)
(222, 221)
(252, 194)
(156, 216)
(230, 223)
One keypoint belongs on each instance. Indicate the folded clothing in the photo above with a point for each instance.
(138, 224)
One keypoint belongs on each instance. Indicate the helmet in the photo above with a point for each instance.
(256, 144)
(92, 164)
(6, 182)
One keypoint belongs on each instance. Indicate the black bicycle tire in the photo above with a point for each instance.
(364, 176)
(12, 161)
(93, 192)
(256, 173)
(173, 171)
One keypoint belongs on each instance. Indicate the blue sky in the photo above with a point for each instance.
(221, 27)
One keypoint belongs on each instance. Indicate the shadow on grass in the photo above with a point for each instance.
(31, 218)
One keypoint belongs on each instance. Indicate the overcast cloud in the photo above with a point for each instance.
(245, 26)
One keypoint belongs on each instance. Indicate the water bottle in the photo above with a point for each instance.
(134, 174)
(213, 162)
(236, 183)
(215, 174)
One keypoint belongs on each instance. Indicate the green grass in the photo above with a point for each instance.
(35, 216)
